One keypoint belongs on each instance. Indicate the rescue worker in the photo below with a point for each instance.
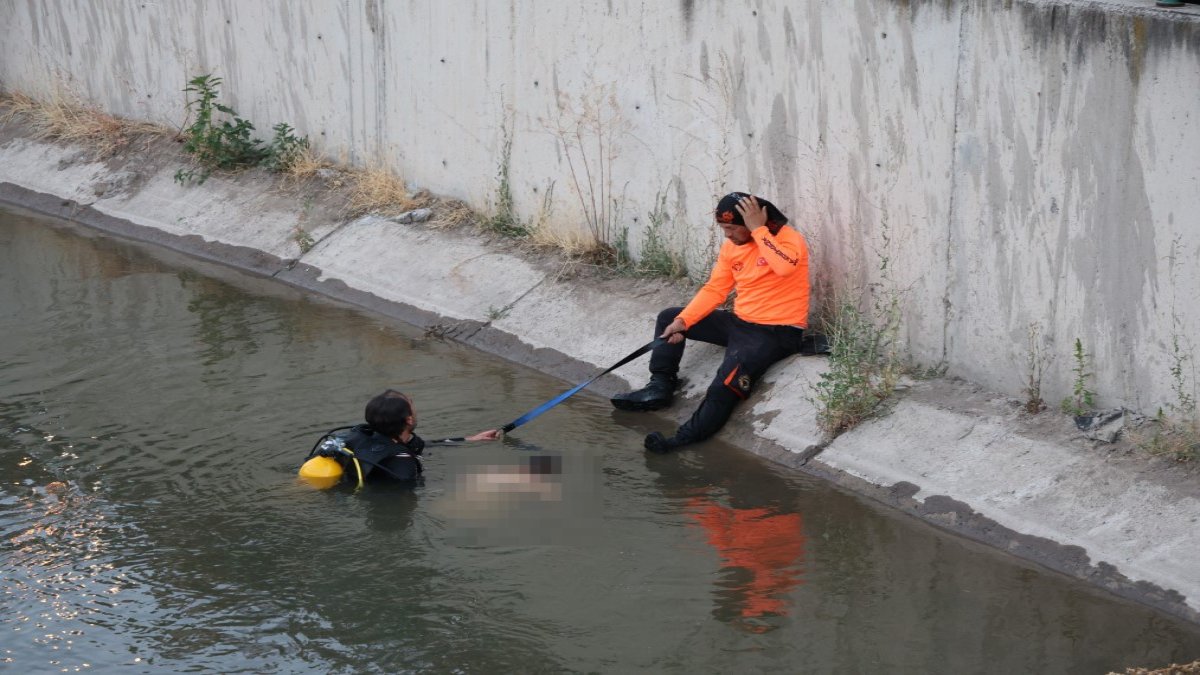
(766, 262)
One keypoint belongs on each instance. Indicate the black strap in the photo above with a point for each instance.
(386, 470)
(327, 434)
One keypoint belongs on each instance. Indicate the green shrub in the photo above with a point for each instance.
(505, 220)
(219, 140)
(1082, 400)
(1176, 437)
(863, 366)
(284, 149)
(657, 258)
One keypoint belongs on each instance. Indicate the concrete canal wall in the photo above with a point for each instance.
(1014, 163)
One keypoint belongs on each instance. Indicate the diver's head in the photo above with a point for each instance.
(391, 414)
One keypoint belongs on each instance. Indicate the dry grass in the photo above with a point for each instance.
(377, 190)
(373, 190)
(456, 213)
(572, 242)
(65, 117)
(305, 165)
(1176, 438)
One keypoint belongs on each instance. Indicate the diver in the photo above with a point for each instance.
(386, 447)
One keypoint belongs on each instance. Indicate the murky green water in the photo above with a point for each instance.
(153, 413)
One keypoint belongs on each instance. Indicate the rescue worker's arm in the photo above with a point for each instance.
(709, 297)
(782, 253)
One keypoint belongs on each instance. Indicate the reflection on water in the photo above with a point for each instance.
(753, 523)
(762, 555)
(153, 414)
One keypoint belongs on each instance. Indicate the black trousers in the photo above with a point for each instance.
(750, 348)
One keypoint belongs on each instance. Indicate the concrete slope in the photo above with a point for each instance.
(949, 453)
(1036, 487)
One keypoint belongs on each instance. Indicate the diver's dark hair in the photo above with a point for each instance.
(388, 413)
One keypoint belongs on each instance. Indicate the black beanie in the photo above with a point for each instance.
(726, 211)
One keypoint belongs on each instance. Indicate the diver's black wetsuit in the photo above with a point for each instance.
(395, 461)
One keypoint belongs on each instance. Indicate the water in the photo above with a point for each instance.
(153, 413)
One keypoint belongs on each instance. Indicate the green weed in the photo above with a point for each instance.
(1175, 437)
(1176, 434)
(219, 140)
(1185, 401)
(863, 367)
(284, 149)
(657, 259)
(303, 239)
(865, 359)
(623, 258)
(1082, 400)
(505, 220)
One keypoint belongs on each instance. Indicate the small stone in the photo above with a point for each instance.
(415, 216)
(113, 183)
(1102, 426)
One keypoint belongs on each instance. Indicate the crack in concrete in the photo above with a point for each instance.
(507, 308)
(291, 264)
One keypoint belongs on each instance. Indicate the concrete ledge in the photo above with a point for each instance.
(1031, 488)
(443, 273)
(949, 453)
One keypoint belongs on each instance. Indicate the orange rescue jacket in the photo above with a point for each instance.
(770, 274)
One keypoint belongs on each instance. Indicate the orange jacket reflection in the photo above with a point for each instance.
(766, 544)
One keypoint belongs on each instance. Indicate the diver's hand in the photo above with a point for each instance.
(489, 435)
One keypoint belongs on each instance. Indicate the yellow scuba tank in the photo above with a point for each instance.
(321, 472)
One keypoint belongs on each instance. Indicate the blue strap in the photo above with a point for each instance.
(568, 393)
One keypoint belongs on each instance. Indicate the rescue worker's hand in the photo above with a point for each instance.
(753, 214)
(674, 332)
(489, 435)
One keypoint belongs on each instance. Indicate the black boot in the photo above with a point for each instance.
(658, 394)
(656, 442)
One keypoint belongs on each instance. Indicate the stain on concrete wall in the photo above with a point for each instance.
(1062, 199)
